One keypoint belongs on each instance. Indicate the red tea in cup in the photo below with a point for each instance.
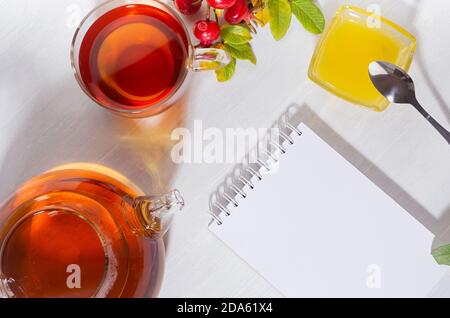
(133, 56)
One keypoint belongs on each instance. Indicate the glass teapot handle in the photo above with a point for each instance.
(153, 214)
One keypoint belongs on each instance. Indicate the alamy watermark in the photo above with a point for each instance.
(74, 15)
(373, 280)
(73, 280)
(373, 20)
(229, 145)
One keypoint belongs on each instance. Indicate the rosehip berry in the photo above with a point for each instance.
(221, 4)
(206, 32)
(238, 12)
(188, 7)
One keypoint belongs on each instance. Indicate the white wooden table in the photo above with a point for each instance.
(46, 120)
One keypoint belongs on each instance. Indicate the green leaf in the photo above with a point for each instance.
(442, 255)
(280, 17)
(241, 52)
(263, 17)
(309, 15)
(226, 73)
(235, 34)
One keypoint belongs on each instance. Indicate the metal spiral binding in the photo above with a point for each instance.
(254, 172)
(247, 173)
(236, 190)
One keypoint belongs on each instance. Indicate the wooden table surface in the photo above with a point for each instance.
(46, 121)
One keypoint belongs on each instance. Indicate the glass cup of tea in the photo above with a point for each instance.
(83, 230)
(134, 57)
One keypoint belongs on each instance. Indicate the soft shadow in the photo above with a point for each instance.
(422, 65)
(146, 152)
(433, 89)
(303, 113)
(407, 18)
(443, 236)
(148, 148)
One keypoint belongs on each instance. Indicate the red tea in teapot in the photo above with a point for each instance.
(46, 253)
(75, 232)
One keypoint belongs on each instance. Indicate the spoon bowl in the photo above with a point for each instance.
(392, 82)
(397, 86)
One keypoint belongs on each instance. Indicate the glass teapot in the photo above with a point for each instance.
(83, 230)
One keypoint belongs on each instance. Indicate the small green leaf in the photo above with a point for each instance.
(442, 255)
(226, 73)
(280, 17)
(241, 52)
(309, 15)
(235, 34)
(262, 17)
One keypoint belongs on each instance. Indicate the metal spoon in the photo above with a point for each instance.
(398, 87)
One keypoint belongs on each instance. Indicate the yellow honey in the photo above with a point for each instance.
(351, 42)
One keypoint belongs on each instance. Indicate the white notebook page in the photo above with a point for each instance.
(319, 228)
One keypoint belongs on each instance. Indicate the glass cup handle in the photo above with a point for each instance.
(206, 59)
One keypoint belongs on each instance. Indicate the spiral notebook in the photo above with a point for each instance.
(317, 227)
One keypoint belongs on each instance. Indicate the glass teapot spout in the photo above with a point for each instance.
(153, 214)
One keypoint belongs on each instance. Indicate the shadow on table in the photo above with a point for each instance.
(443, 236)
(424, 69)
(407, 18)
(147, 151)
(303, 113)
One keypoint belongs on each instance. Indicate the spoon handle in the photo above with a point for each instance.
(444, 132)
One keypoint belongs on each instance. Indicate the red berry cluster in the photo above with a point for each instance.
(207, 31)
